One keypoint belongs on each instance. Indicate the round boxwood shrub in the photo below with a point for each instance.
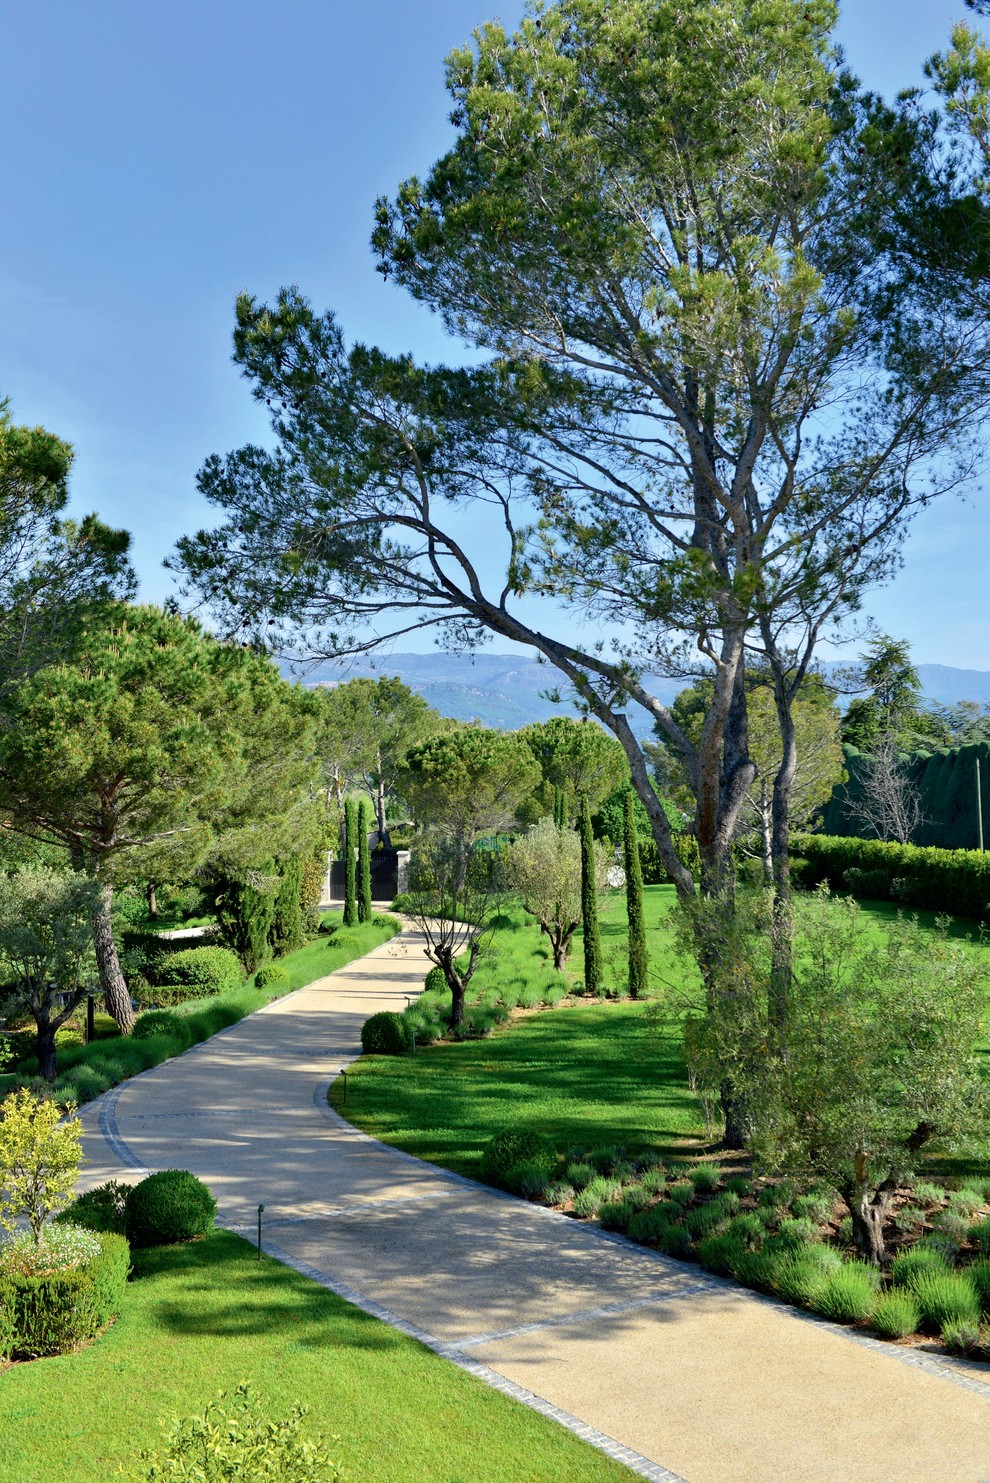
(517, 1146)
(385, 1034)
(59, 1297)
(210, 970)
(167, 1207)
(272, 976)
(435, 982)
(162, 1022)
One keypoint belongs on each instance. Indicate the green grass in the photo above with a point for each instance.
(586, 1074)
(583, 1074)
(203, 1317)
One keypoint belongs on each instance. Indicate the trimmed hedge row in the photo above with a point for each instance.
(954, 881)
(52, 1312)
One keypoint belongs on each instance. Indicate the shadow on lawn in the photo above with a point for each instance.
(229, 1294)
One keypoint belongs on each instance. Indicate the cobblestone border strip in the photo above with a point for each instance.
(634, 1461)
(111, 1133)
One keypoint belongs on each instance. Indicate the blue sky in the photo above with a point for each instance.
(158, 159)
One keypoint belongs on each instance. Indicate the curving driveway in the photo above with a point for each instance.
(678, 1374)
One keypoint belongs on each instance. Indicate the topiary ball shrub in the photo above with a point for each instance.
(272, 976)
(435, 982)
(210, 970)
(385, 1034)
(63, 1293)
(168, 1207)
(162, 1022)
(517, 1146)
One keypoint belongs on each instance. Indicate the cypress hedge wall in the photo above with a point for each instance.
(946, 782)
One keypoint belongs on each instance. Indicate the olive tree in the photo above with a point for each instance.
(46, 944)
(880, 1062)
(545, 868)
(462, 786)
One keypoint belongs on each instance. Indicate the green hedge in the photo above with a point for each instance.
(953, 881)
(653, 868)
(55, 1312)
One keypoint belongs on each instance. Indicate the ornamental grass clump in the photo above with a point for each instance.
(654, 1180)
(720, 1254)
(580, 1174)
(909, 1266)
(896, 1314)
(849, 1294)
(978, 1273)
(704, 1178)
(945, 1297)
(979, 1234)
(961, 1336)
(595, 1195)
(560, 1193)
(799, 1279)
(527, 1178)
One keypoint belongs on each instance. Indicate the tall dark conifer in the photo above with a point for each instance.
(350, 872)
(639, 957)
(594, 971)
(364, 817)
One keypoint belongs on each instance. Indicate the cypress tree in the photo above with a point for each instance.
(559, 809)
(364, 817)
(594, 972)
(287, 929)
(350, 874)
(639, 957)
(246, 914)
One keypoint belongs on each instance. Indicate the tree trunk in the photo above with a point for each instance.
(152, 901)
(47, 1054)
(456, 999)
(639, 956)
(383, 835)
(115, 991)
(782, 932)
(594, 969)
(766, 834)
(868, 1216)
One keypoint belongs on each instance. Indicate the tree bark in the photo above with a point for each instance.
(115, 991)
(383, 834)
(47, 1054)
(152, 901)
(869, 1213)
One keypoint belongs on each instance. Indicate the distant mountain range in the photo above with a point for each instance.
(504, 690)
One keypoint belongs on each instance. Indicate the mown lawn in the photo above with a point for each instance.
(588, 1073)
(204, 1317)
